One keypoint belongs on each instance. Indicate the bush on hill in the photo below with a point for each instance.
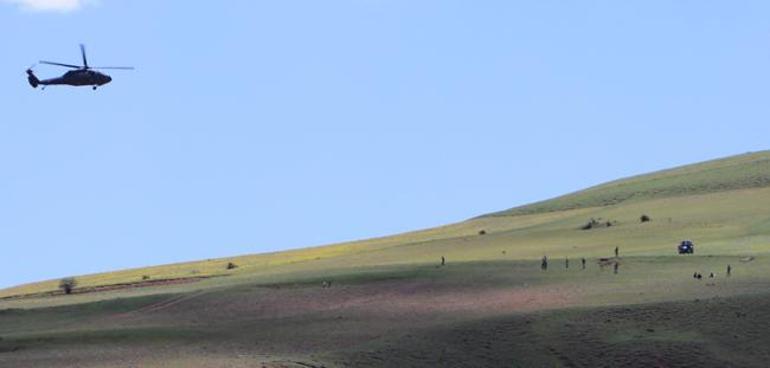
(594, 223)
(67, 284)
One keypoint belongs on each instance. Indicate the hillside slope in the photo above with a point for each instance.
(391, 302)
(751, 170)
(721, 204)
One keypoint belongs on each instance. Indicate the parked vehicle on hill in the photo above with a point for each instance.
(686, 247)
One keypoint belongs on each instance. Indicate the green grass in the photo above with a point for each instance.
(727, 222)
(274, 303)
(27, 321)
(745, 171)
(574, 329)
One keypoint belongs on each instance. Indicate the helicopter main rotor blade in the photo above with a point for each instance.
(83, 52)
(60, 64)
(114, 67)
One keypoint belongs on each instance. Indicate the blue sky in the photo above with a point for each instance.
(252, 126)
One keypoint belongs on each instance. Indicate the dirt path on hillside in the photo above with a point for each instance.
(110, 287)
(161, 305)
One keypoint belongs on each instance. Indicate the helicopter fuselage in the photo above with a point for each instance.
(79, 77)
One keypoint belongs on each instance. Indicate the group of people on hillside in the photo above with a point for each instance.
(544, 262)
(615, 265)
(697, 275)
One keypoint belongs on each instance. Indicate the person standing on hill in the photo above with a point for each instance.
(729, 270)
(443, 260)
(617, 251)
(544, 263)
(615, 268)
(583, 262)
(566, 262)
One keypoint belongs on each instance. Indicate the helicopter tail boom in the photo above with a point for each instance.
(33, 81)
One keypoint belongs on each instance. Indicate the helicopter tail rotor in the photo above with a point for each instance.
(32, 79)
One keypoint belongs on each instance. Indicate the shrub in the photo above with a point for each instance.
(590, 224)
(594, 223)
(231, 265)
(645, 218)
(482, 232)
(145, 277)
(67, 284)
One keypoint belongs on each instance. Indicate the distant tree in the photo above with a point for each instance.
(67, 284)
(231, 265)
(482, 232)
(645, 218)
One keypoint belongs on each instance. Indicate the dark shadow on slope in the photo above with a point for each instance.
(720, 332)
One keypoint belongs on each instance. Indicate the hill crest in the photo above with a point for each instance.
(745, 171)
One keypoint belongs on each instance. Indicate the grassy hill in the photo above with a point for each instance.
(714, 203)
(751, 170)
(391, 302)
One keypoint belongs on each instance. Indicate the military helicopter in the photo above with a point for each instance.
(82, 75)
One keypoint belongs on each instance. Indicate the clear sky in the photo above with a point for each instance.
(252, 126)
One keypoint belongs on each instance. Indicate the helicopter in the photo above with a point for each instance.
(81, 75)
